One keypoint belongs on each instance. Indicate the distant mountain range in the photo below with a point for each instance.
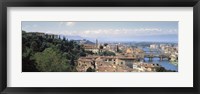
(153, 38)
(158, 38)
(71, 37)
(84, 41)
(78, 39)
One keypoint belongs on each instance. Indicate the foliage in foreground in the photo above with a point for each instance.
(48, 55)
(51, 60)
(162, 69)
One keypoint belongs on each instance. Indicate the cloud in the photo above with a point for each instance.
(121, 33)
(66, 23)
(70, 23)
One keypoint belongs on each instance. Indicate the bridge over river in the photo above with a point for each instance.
(156, 54)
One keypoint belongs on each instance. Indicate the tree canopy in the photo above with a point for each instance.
(51, 60)
(40, 53)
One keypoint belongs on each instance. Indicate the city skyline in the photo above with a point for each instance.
(158, 31)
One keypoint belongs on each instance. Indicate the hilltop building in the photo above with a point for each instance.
(35, 34)
(53, 36)
(92, 47)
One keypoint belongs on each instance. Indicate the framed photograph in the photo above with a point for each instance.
(85, 46)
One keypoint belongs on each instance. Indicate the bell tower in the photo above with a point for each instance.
(97, 43)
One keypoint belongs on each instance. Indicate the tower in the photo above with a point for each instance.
(97, 43)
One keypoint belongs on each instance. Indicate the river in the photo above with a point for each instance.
(164, 63)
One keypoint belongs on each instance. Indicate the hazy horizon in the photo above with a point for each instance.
(158, 31)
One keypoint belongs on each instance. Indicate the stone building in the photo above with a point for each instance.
(145, 67)
(94, 62)
(90, 47)
(35, 34)
(53, 36)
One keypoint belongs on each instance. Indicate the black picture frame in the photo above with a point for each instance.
(98, 3)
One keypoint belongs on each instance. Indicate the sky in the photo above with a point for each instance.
(158, 31)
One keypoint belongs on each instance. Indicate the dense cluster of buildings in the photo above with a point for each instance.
(127, 59)
(114, 64)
